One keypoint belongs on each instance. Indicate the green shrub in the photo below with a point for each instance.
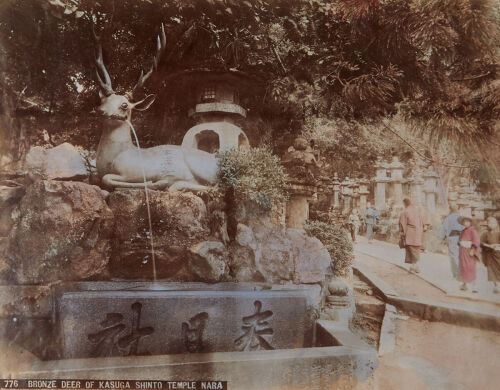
(252, 175)
(336, 241)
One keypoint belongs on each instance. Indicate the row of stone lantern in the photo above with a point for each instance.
(390, 187)
(344, 195)
(469, 201)
(351, 193)
(306, 186)
(422, 187)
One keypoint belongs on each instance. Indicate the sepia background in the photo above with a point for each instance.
(275, 127)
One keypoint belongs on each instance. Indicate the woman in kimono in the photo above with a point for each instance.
(371, 216)
(354, 223)
(491, 255)
(469, 251)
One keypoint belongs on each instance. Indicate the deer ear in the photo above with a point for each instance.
(101, 94)
(144, 104)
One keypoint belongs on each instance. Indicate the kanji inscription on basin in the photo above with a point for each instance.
(124, 323)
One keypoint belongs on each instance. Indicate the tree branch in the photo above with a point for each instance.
(419, 153)
(276, 54)
(473, 77)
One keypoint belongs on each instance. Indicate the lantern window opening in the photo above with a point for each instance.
(209, 94)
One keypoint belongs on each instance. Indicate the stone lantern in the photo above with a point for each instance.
(297, 207)
(355, 194)
(381, 180)
(478, 211)
(416, 187)
(325, 191)
(453, 195)
(477, 207)
(465, 191)
(347, 193)
(396, 169)
(464, 206)
(430, 189)
(489, 207)
(217, 112)
(363, 193)
(303, 173)
(336, 191)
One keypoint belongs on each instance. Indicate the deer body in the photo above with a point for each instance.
(119, 162)
(115, 139)
(120, 165)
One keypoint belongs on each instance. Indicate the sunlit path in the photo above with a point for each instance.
(434, 269)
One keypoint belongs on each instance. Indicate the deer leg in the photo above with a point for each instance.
(112, 180)
(160, 184)
(187, 186)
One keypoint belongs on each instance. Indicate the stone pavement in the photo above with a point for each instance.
(434, 269)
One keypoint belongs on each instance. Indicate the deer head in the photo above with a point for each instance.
(119, 107)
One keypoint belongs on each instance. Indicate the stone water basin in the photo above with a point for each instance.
(253, 336)
(104, 319)
(158, 322)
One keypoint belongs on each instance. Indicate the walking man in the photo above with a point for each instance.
(411, 229)
(450, 230)
(371, 216)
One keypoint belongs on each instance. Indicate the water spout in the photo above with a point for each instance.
(147, 201)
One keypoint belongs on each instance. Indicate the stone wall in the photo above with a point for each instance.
(71, 230)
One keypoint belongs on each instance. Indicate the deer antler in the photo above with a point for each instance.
(161, 43)
(106, 84)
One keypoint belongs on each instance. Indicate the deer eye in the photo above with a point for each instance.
(124, 106)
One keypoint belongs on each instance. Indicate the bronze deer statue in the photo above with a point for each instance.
(120, 163)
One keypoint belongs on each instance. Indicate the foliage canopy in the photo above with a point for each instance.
(434, 63)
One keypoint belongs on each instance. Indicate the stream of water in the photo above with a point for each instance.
(147, 201)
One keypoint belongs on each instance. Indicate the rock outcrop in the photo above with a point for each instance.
(11, 193)
(187, 250)
(62, 231)
(208, 262)
(179, 221)
(267, 254)
(62, 162)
